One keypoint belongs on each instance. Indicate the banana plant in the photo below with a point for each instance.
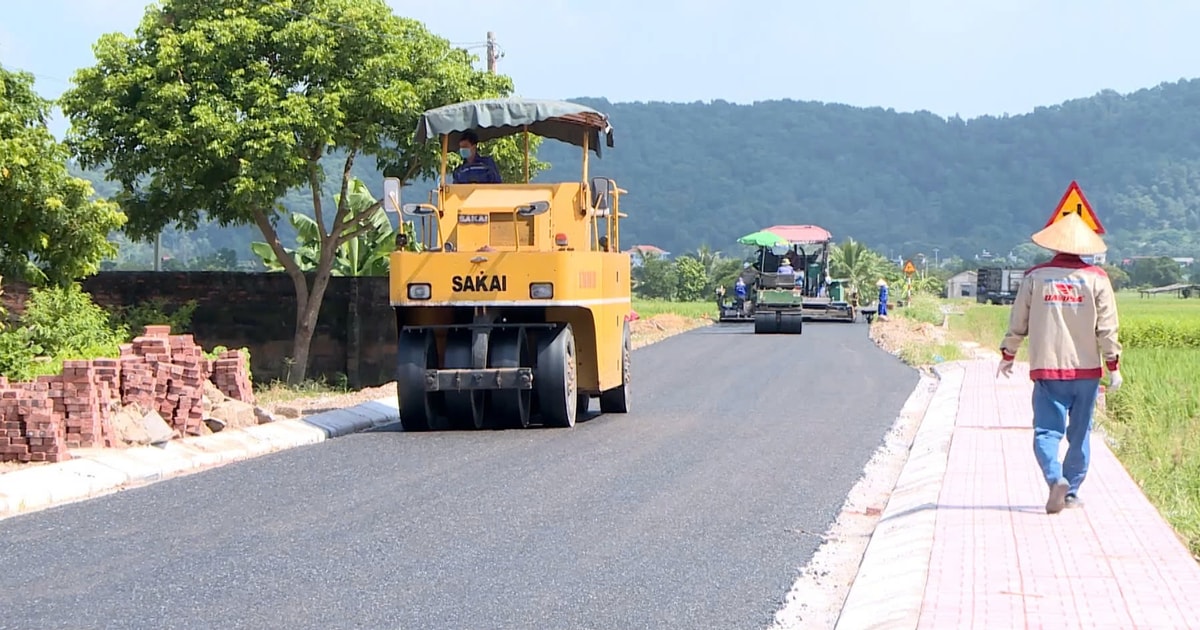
(364, 255)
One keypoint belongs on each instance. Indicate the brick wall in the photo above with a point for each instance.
(257, 311)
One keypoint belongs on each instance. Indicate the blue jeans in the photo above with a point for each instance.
(1054, 403)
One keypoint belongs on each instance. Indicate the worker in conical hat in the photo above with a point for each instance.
(881, 310)
(1067, 309)
(1070, 235)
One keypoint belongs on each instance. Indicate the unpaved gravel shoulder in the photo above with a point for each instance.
(816, 598)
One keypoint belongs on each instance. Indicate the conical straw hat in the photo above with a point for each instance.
(1070, 235)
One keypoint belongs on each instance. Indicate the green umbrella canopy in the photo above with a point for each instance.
(763, 238)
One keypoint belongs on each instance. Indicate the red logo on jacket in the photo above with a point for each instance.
(1063, 291)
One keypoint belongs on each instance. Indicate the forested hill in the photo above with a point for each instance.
(902, 182)
(905, 182)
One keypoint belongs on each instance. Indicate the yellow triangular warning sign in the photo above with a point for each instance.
(1073, 202)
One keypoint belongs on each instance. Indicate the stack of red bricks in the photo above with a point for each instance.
(230, 375)
(39, 421)
(32, 431)
(79, 399)
(166, 373)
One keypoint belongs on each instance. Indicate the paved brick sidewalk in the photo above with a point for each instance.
(990, 557)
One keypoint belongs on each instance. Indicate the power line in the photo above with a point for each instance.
(37, 75)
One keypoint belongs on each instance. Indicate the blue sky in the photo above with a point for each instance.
(947, 56)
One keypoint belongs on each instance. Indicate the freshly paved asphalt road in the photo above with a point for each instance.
(696, 510)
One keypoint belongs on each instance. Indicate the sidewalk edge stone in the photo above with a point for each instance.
(98, 473)
(889, 587)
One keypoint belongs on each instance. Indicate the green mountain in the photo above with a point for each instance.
(705, 173)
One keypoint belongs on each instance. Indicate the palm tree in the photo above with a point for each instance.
(708, 258)
(857, 263)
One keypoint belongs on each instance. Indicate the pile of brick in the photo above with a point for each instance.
(30, 428)
(39, 421)
(230, 375)
(84, 403)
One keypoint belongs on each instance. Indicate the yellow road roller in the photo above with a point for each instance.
(513, 308)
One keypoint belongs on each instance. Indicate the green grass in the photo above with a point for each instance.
(280, 391)
(927, 310)
(1154, 419)
(698, 310)
(929, 354)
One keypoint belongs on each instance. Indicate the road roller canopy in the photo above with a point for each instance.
(499, 117)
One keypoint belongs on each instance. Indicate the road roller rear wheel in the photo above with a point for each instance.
(555, 379)
(509, 408)
(420, 410)
(616, 400)
(465, 407)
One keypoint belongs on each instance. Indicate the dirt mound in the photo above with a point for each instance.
(648, 330)
(895, 334)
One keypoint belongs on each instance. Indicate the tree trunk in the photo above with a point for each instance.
(307, 311)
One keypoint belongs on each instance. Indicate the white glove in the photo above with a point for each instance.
(1114, 381)
(1005, 369)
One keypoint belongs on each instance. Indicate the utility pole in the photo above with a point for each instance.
(158, 252)
(491, 52)
(936, 262)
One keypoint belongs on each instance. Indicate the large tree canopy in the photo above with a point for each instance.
(50, 228)
(220, 107)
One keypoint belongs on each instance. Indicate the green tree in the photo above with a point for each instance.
(724, 274)
(1155, 272)
(219, 108)
(692, 279)
(1116, 275)
(50, 227)
(654, 277)
(859, 264)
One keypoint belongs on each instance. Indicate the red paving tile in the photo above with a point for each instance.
(999, 561)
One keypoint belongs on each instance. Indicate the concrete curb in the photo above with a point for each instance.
(368, 415)
(906, 526)
(103, 471)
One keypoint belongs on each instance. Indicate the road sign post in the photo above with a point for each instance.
(909, 268)
(1073, 202)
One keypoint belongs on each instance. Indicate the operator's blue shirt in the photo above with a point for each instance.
(481, 171)
(740, 290)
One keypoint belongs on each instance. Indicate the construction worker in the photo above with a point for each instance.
(1068, 310)
(785, 266)
(883, 298)
(475, 168)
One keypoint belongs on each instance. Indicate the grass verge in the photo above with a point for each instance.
(916, 334)
(694, 310)
(280, 391)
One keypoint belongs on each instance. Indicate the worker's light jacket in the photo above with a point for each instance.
(1068, 310)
